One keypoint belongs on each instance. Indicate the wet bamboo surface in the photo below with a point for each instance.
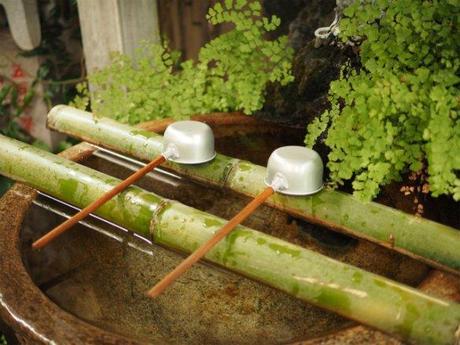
(209, 244)
(60, 229)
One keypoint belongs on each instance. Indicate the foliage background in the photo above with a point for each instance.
(400, 111)
(231, 72)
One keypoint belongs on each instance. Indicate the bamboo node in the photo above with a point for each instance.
(162, 205)
(392, 241)
(228, 171)
(457, 336)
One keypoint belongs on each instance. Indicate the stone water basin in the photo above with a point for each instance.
(89, 285)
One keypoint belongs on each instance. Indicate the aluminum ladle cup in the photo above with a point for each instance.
(295, 170)
(188, 142)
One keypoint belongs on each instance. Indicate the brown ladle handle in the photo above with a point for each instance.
(57, 231)
(208, 245)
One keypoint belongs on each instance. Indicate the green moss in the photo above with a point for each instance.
(142, 132)
(68, 187)
(295, 289)
(357, 277)
(230, 240)
(379, 283)
(334, 299)
(261, 241)
(245, 166)
(212, 222)
(316, 204)
(284, 249)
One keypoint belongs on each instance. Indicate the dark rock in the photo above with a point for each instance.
(315, 14)
(300, 18)
(287, 14)
(298, 103)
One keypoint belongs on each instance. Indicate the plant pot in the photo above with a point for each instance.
(88, 286)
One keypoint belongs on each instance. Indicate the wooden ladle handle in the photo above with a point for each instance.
(57, 231)
(208, 245)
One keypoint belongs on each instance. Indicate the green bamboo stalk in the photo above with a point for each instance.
(354, 293)
(433, 243)
(76, 184)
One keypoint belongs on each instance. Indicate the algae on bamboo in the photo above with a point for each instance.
(354, 293)
(340, 211)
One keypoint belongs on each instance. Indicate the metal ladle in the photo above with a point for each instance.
(185, 142)
(291, 170)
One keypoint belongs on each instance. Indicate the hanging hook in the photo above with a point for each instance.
(326, 31)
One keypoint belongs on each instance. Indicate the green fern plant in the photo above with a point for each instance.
(231, 73)
(400, 111)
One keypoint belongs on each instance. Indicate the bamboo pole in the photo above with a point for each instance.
(433, 243)
(76, 184)
(209, 244)
(63, 227)
(349, 291)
